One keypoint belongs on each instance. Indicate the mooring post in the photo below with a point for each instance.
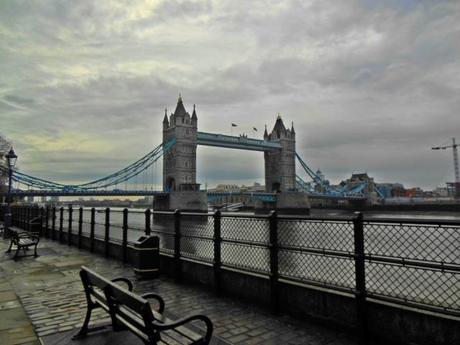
(125, 235)
(69, 231)
(148, 224)
(107, 231)
(274, 288)
(91, 231)
(80, 226)
(360, 275)
(177, 237)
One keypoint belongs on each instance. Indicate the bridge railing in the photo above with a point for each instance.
(409, 262)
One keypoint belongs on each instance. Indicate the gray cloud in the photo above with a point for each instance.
(370, 85)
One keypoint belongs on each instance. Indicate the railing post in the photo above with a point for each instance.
(360, 276)
(24, 217)
(53, 223)
(29, 218)
(22, 222)
(91, 232)
(42, 216)
(80, 226)
(217, 251)
(107, 231)
(177, 236)
(69, 230)
(29, 211)
(61, 222)
(148, 224)
(47, 222)
(21, 211)
(125, 235)
(273, 247)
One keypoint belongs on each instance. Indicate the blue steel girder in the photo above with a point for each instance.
(232, 142)
(266, 197)
(82, 192)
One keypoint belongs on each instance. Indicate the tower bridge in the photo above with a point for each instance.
(179, 164)
(284, 189)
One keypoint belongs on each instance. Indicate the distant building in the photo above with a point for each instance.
(453, 189)
(391, 190)
(54, 199)
(415, 192)
(226, 188)
(441, 192)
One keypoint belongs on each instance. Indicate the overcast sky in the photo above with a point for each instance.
(370, 85)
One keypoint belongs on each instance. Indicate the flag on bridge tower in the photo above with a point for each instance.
(255, 129)
(234, 125)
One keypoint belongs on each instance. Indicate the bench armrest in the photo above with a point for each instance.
(209, 327)
(160, 300)
(124, 280)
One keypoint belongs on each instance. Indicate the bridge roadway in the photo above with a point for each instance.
(268, 197)
(232, 142)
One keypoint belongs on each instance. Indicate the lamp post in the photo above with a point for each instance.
(11, 161)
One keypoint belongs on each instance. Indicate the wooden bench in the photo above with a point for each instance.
(22, 240)
(132, 312)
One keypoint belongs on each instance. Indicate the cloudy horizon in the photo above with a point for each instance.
(370, 86)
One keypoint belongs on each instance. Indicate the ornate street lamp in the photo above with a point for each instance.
(11, 159)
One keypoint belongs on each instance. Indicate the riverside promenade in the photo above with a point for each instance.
(43, 296)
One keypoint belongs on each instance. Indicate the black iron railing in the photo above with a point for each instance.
(405, 261)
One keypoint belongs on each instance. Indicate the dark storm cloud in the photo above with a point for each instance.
(370, 85)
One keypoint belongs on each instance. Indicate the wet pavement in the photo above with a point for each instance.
(43, 296)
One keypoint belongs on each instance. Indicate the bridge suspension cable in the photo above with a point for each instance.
(113, 179)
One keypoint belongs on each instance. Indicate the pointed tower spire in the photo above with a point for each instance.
(165, 119)
(265, 132)
(292, 128)
(180, 110)
(194, 117)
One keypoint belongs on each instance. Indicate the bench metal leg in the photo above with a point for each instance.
(9, 248)
(17, 252)
(84, 328)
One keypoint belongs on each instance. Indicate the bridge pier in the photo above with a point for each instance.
(287, 203)
(191, 201)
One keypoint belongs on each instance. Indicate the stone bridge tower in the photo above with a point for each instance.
(280, 164)
(179, 164)
(280, 176)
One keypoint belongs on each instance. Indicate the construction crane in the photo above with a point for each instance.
(455, 152)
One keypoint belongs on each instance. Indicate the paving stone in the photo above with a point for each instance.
(51, 294)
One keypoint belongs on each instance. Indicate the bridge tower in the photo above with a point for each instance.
(280, 164)
(280, 176)
(179, 164)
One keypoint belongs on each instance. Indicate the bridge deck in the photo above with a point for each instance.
(232, 142)
(44, 296)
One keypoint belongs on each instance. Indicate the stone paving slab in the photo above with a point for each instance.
(43, 296)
